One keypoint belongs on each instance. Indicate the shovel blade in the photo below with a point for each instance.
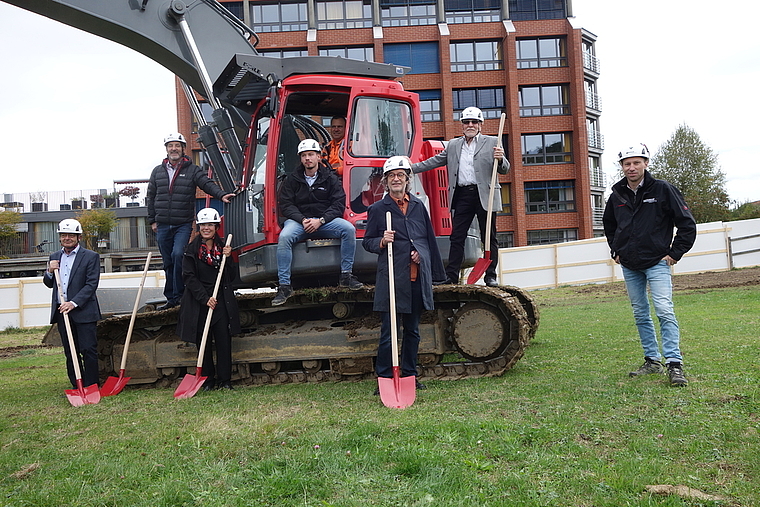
(397, 392)
(190, 385)
(89, 395)
(114, 385)
(479, 269)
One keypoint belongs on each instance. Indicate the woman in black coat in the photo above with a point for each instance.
(200, 267)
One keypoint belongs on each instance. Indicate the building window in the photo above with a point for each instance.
(549, 196)
(541, 53)
(277, 17)
(235, 8)
(595, 138)
(489, 100)
(506, 199)
(407, 12)
(546, 148)
(351, 14)
(547, 100)
(505, 239)
(284, 53)
(422, 57)
(472, 11)
(475, 55)
(592, 98)
(590, 61)
(365, 53)
(549, 236)
(430, 105)
(532, 10)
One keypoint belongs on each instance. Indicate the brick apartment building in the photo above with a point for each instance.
(523, 57)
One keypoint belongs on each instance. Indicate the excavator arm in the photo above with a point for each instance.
(152, 27)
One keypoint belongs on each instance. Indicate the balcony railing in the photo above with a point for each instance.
(593, 101)
(591, 63)
(595, 140)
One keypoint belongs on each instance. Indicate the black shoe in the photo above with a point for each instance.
(675, 374)
(283, 293)
(377, 392)
(650, 366)
(350, 281)
(167, 305)
(208, 386)
(419, 385)
(452, 281)
(491, 281)
(226, 385)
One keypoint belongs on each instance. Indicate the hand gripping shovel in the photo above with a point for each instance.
(396, 392)
(482, 264)
(81, 395)
(192, 383)
(114, 385)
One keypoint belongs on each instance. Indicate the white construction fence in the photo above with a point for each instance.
(720, 246)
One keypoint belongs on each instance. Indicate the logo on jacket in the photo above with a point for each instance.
(651, 200)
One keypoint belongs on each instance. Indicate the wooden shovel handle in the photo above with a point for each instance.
(72, 345)
(487, 243)
(392, 291)
(211, 310)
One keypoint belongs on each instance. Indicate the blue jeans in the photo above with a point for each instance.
(292, 232)
(410, 341)
(660, 286)
(172, 241)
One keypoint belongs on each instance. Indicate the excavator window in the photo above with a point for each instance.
(380, 128)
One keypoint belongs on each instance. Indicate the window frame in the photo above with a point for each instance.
(542, 59)
(476, 48)
(331, 50)
(409, 17)
(542, 108)
(554, 197)
(343, 21)
(264, 26)
(567, 235)
(478, 98)
(547, 157)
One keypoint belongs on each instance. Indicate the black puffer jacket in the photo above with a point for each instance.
(173, 203)
(325, 198)
(639, 227)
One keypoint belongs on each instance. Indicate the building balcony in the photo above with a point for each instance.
(595, 140)
(594, 102)
(591, 64)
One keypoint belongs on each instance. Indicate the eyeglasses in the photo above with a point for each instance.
(470, 122)
(394, 176)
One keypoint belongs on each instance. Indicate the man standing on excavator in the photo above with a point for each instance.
(171, 210)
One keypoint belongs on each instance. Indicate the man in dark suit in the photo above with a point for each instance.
(80, 274)
(469, 160)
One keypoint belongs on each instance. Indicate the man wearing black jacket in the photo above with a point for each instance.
(638, 221)
(171, 210)
(312, 201)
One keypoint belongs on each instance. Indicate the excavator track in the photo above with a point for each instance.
(330, 334)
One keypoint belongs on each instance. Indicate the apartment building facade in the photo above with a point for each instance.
(526, 58)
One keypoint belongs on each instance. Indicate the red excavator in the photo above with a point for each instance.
(261, 108)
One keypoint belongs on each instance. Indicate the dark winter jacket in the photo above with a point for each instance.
(413, 231)
(324, 199)
(639, 227)
(200, 278)
(173, 202)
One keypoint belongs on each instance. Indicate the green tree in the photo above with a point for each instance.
(97, 224)
(745, 210)
(8, 221)
(689, 164)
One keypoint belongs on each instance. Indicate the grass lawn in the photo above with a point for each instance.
(564, 427)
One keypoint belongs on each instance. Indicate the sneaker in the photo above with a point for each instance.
(490, 281)
(675, 374)
(350, 281)
(283, 293)
(650, 366)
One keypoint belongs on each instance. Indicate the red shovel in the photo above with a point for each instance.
(114, 385)
(192, 383)
(396, 392)
(89, 395)
(482, 264)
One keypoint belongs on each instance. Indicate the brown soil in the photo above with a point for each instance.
(694, 281)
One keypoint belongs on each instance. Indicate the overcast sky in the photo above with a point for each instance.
(78, 111)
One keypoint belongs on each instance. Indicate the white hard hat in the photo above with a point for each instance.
(637, 150)
(397, 162)
(69, 225)
(308, 145)
(208, 216)
(472, 113)
(175, 137)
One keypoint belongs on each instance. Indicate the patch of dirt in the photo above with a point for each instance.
(13, 351)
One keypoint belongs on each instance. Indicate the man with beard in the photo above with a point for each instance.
(171, 210)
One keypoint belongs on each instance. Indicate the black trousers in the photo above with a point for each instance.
(219, 338)
(86, 343)
(466, 205)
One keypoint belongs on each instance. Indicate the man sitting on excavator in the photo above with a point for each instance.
(312, 201)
